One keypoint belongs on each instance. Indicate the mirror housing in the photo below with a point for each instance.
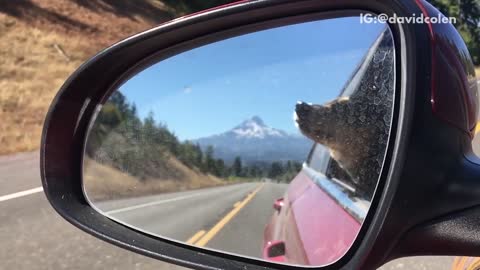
(278, 204)
(430, 165)
(275, 251)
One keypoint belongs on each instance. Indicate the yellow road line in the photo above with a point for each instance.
(215, 229)
(195, 237)
(236, 204)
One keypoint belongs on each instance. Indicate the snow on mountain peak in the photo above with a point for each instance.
(256, 128)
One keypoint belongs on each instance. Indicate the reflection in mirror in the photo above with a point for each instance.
(476, 137)
(268, 145)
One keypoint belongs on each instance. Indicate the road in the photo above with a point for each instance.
(229, 218)
(33, 236)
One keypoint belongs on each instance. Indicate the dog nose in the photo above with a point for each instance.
(302, 108)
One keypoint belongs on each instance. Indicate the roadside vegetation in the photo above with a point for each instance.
(103, 182)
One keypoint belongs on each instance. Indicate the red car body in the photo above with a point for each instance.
(297, 234)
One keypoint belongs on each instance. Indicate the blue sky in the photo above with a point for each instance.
(213, 88)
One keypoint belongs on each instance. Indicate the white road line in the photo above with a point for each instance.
(125, 209)
(150, 204)
(20, 194)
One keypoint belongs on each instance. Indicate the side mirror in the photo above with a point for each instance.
(175, 142)
(278, 204)
(275, 251)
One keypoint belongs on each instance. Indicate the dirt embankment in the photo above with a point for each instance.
(102, 182)
(43, 41)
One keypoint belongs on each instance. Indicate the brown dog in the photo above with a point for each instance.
(356, 127)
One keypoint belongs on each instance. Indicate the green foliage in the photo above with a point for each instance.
(254, 171)
(190, 154)
(111, 115)
(220, 169)
(467, 13)
(237, 168)
(291, 169)
(276, 169)
(210, 163)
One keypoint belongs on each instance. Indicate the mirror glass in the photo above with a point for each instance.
(267, 145)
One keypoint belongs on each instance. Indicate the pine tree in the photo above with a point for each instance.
(220, 168)
(209, 161)
(276, 170)
(237, 168)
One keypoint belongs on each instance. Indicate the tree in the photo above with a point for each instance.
(165, 137)
(220, 168)
(289, 166)
(148, 131)
(111, 116)
(198, 156)
(237, 168)
(254, 171)
(209, 160)
(276, 170)
(186, 154)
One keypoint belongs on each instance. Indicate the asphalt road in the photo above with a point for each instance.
(33, 236)
(229, 218)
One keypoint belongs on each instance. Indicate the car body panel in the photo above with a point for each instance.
(454, 94)
(317, 243)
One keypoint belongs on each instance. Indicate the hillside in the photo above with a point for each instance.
(103, 182)
(127, 156)
(43, 41)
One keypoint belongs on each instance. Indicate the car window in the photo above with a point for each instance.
(321, 161)
(319, 158)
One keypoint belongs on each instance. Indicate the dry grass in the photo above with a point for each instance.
(105, 183)
(32, 69)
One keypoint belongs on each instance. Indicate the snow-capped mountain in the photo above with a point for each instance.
(255, 128)
(254, 141)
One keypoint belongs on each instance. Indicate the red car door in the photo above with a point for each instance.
(319, 217)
